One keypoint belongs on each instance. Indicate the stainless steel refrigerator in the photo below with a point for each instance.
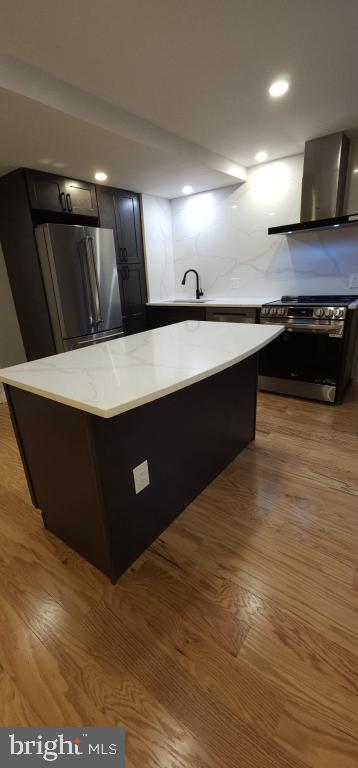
(81, 283)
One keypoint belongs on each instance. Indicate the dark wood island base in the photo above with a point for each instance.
(79, 466)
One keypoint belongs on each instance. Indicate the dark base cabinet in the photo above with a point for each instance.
(134, 295)
(159, 316)
(87, 495)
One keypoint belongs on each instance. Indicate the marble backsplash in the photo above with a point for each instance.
(158, 244)
(223, 234)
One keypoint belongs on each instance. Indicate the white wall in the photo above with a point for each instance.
(223, 234)
(158, 246)
(11, 346)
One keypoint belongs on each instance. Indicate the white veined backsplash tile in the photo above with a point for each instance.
(223, 235)
(158, 241)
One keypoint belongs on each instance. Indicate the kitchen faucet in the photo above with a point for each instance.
(198, 291)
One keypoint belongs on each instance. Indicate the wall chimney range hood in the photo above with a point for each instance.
(323, 186)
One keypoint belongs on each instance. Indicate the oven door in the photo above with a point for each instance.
(302, 362)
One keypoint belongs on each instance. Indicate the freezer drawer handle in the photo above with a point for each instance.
(93, 282)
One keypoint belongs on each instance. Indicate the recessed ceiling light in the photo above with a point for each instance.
(278, 88)
(355, 170)
(261, 157)
(100, 176)
(187, 190)
(59, 165)
(234, 206)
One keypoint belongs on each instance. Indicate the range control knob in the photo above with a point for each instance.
(273, 311)
(328, 312)
(319, 312)
(338, 313)
(264, 311)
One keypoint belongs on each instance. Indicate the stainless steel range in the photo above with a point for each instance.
(313, 357)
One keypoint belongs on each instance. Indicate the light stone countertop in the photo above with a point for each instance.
(207, 303)
(116, 376)
(229, 303)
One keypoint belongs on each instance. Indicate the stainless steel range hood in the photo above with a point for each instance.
(323, 186)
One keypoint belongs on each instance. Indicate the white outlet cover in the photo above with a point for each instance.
(141, 476)
(353, 281)
(235, 283)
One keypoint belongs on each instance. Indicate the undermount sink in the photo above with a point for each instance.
(190, 301)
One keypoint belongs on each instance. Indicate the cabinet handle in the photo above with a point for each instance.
(63, 201)
(125, 254)
(125, 273)
(121, 256)
(69, 202)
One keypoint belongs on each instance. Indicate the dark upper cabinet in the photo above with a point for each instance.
(80, 197)
(45, 191)
(48, 192)
(129, 228)
(120, 211)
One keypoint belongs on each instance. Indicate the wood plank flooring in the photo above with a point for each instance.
(233, 641)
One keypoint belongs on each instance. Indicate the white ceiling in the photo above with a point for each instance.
(198, 69)
(36, 136)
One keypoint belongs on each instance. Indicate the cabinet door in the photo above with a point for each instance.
(49, 192)
(133, 295)
(45, 192)
(106, 197)
(120, 211)
(133, 289)
(134, 324)
(159, 316)
(128, 224)
(80, 197)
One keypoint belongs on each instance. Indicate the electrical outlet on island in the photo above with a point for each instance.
(141, 476)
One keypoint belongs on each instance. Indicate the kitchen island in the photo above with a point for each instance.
(117, 438)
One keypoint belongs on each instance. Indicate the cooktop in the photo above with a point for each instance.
(324, 300)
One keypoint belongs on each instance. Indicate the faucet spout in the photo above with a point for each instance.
(198, 292)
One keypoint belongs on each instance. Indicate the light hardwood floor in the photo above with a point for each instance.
(233, 641)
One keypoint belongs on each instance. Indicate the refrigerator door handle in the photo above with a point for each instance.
(93, 282)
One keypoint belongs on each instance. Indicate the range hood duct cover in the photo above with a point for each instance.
(324, 177)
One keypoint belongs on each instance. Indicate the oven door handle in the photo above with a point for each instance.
(329, 330)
